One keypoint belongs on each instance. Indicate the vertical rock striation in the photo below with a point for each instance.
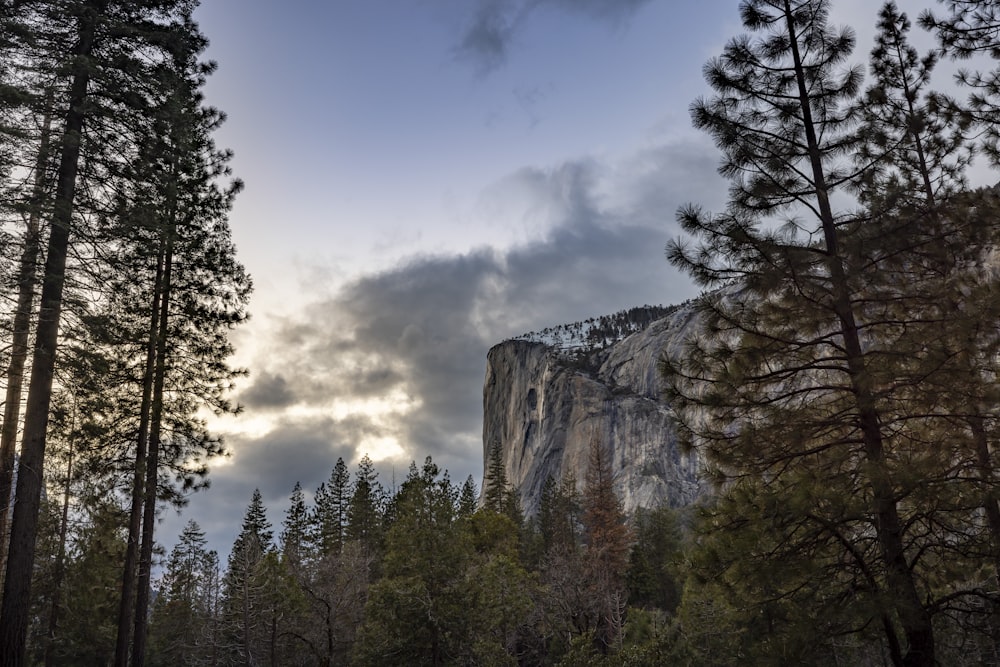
(545, 404)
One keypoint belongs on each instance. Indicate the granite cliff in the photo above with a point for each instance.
(547, 395)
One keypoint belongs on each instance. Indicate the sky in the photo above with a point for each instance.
(424, 179)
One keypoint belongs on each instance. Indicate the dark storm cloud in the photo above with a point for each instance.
(269, 390)
(494, 24)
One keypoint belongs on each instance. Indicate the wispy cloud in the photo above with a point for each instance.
(494, 25)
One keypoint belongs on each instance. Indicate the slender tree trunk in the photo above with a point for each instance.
(60, 564)
(914, 619)
(152, 461)
(992, 510)
(21, 330)
(125, 607)
(16, 601)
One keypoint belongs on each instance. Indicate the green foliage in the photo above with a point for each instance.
(822, 389)
(183, 626)
(655, 574)
(294, 536)
(93, 571)
(364, 516)
(467, 498)
(330, 513)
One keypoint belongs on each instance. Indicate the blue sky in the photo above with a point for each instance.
(425, 178)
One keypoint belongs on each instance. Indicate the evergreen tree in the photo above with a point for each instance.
(331, 506)
(364, 517)
(98, 59)
(467, 498)
(244, 603)
(806, 393)
(608, 541)
(294, 543)
(655, 574)
(920, 151)
(452, 592)
(182, 618)
(498, 494)
(972, 28)
(87, 629)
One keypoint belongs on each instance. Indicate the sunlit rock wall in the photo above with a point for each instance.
(545, 405)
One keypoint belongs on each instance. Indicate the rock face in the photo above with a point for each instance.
(545, 405)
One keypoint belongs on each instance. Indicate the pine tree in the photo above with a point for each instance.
(911, 135)
(100, 54)
(804, 360)
(972, 28)
(294, 542)
(184, 610)
(364, 517)
(331, 505)
(498, 494)
(413, 612)
(608, 541)
(198, 302)
(467, 498)
(243, 604)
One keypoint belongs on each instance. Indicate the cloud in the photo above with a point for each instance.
(495, 24)
(269, 390)
(406, 347)
(392, 362)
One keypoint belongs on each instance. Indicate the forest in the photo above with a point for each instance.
(841, 392)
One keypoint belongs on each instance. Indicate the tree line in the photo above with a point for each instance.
(424, 574)
(121, 285)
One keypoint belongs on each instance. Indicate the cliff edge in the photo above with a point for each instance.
(545, 399)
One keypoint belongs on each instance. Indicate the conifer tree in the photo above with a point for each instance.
(330, 511)
(498, 494)
(101, 52)
(467, 498)
(184, 609)
(608, 541)
(364, 517)
(808, 354)
(921, 153)
(294, 542)
(243, 603)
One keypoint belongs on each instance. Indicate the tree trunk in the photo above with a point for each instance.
(21, 329)
(125, 607)
(152, 461)
(16, 601)
(992, 510)
(60, 564)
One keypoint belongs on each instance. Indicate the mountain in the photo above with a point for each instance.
(548, 394)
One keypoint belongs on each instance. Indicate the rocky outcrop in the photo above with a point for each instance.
(545, 404)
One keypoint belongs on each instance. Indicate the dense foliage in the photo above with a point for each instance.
(842, 390)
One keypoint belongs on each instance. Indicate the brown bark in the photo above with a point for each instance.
(991, 508)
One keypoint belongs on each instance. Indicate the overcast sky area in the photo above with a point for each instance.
(425, 178)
